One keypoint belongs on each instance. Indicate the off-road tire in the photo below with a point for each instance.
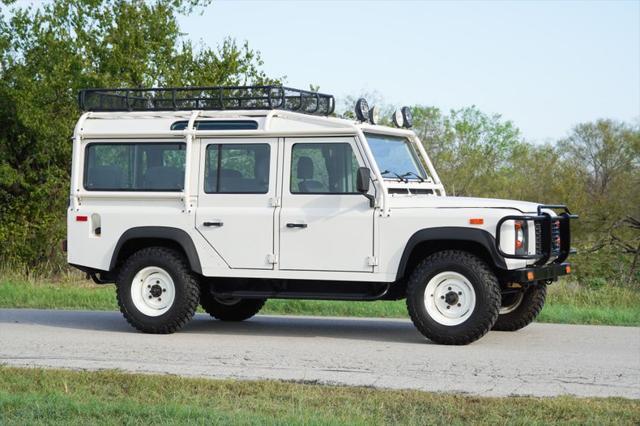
(487, 293)
(187, 290)
(239, 311)
(528, 310)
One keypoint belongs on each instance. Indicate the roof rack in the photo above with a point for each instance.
(206, 98)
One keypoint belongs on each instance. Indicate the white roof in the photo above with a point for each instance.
(158, 124)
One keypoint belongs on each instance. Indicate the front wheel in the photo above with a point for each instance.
(157, 293)
(520, 309)
(453, 297)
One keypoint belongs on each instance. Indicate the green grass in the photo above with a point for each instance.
(36, 396)
(566, 302)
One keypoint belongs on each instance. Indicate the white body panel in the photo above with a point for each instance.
(339, 227)
(345, 239)
(245, 238)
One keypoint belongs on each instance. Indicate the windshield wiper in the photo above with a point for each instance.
(400, 178)
(420, 178)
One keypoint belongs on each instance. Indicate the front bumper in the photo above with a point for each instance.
(538, 273)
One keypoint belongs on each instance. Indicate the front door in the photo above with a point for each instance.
(235, 200)
(325, 224)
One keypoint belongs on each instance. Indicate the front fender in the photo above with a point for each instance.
(451, 233)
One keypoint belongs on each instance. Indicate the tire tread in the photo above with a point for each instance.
(244, 309)
(473, 331)
(186, 308)
(526, 313)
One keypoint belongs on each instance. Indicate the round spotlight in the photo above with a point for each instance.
(374, 115)
(362, 110)
(407, 116)
(398, 119)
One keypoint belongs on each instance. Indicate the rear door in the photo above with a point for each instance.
(236, 200)
(325, 224)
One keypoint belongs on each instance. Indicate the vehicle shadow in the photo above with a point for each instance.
(309, 327)
(392, 331)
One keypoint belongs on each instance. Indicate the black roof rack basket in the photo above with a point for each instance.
(207, 98)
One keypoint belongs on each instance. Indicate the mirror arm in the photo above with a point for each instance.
(371, 198)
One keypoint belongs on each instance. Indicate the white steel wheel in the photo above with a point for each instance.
(512, 304)
(449, 298)
(153, 291)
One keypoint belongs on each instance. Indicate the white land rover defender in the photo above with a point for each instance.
(228, 196)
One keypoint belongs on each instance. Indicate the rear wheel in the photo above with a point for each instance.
(453, 297)
(230, 308)
(520, 309)
(156, 291)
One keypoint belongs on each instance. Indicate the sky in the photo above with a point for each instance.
(546, 66)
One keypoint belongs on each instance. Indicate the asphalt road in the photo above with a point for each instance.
(540, 360)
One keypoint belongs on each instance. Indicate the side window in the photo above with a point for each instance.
(323, 168)
(237, 169)
(134, 167)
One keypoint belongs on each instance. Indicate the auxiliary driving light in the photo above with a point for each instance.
(374, 115)
(407, 116)
(362, 110)
(398, 119)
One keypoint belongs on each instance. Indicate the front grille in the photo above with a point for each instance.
(538, 226)
(555, 238)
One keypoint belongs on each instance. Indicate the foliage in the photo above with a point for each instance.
(37, 396)
(46, 55)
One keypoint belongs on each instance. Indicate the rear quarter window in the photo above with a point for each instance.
(134, 167)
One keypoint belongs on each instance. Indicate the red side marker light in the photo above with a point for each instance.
(476, 221)
(82, 218)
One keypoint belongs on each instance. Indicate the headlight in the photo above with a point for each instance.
(521, 246)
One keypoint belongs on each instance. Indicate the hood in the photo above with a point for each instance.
(461, 202)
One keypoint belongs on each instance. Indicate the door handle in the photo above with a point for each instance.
(296, 225)
(217, 224)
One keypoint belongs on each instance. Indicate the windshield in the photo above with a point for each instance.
(396, 157)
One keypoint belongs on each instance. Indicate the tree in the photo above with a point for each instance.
(46, 56)
(605, 154)
(469, 148)
(606, 149)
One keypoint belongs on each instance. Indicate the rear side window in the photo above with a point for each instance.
(323, 168)
(237, 169)
(134, 167)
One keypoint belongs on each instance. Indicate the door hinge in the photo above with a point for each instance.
(372, 261)
(272, 259)
(275, 202)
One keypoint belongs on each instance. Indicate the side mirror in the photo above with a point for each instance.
(363, 182)
(364, 179)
